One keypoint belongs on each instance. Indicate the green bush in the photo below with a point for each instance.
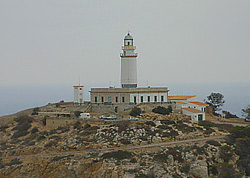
(227, 170)
(226, 153)
(19, 134)
(86, 126)
(35, 111)
(77, 113)
(118, 155)
(213, 142)
(135, 111)
(89, 131)
(167, 122)
(185, 167)
(213, 169)
(34, 130)
(44, 121)
(150, 123)
(3, 128)
(23, 119)
(184, 128)
(22, 127)
(162, 110)
(164, 127)
(163, 157)
(125, 141)
(208, 130)
(170, 134)
(77, 125)
(240, 136)
(206, 123)
(122, 126)
(41, 138)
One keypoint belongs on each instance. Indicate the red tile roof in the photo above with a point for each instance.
(181, 102)
(199, 103)
(184, 97)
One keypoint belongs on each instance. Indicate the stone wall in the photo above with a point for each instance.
(109, 108)
(56, 122)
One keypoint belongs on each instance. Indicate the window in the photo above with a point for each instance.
(148, 98)
(109, 99)
(128, 43)
(155, 98)
(134, 99)
(96, 99)
(162, 98)
(80, 88)
(116, 99)
(123, 99)
(102, 99)
(141, 99)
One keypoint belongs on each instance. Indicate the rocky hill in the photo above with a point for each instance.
(97, 148)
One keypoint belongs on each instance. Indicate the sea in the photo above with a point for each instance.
(17, 98)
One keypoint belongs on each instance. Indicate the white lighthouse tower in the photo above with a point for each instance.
(128, 63)
(78, 94)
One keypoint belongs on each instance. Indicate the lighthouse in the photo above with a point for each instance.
(128, 63)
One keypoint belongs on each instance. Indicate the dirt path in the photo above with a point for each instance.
(116, 148)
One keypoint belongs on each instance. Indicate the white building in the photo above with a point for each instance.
(197, 105)
(189, 105)
(128, 63)
(196, 115)
(78, 94)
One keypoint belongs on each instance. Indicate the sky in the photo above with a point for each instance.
(52, 42)
(62, 42)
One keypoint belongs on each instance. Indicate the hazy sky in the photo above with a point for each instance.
(53, 42)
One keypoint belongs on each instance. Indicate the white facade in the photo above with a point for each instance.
(196, 115)
(197, 105)
(148, 97)
(78, 94)
(128, 63)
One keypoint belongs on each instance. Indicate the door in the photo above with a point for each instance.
(199, 117)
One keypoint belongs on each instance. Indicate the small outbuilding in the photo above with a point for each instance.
(196, 115)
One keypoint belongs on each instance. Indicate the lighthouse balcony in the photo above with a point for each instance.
(128, 55)
(129, 47)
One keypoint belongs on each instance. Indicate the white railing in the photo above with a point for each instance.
(128, 55)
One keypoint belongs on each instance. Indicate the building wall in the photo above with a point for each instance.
(126, 95)
(59, 122)
(110, 97)
(195, 106)
(194, 116)
(144, 96)
(78, 94)
(109, 108)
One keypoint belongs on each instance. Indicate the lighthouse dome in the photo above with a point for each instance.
(128, 37)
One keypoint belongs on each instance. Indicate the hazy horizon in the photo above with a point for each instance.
(17, 98)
